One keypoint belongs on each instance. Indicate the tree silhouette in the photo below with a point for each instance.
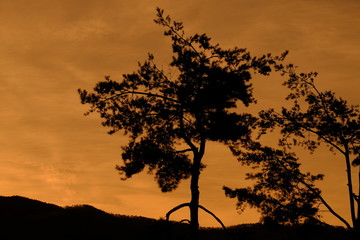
(169, 117)
(280, 191)
(316, 118)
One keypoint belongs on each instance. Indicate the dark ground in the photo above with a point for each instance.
(23, 218)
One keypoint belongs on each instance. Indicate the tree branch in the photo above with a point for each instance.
(186, 139)
(314, 132)
(202, 147)
(318, 195)
(162, 73)
(188, 205)
(166, 24)
(214, 216)
(175, 209)
(185, 220)
(183, 151)
(325, 139)
(141, 93)
(325, 107)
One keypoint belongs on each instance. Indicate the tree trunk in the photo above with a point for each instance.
(195, 195)
(357, 227)
(350, 187)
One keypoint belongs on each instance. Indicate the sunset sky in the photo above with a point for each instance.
(48, 49)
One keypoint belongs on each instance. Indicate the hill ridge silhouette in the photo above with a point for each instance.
(25, 218)
(17, 205)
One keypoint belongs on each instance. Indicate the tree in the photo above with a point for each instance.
(280, 191)
(316, 118)
(170, 117)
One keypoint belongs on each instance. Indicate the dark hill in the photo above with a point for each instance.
(23, 218)
(17, 206)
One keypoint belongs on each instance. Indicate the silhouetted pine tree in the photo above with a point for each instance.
(170, 117)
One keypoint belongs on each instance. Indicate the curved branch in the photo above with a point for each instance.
(318, 195)
(282, 117)
(199, 206)
(325, 139)
(142, 93)
(214, 216)
(185, 220)
(328, 206)
(175, 209)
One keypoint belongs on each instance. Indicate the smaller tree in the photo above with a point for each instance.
(316, 118)
(280, 192)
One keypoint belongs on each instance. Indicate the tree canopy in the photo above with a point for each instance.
(169, 116)
(280, 191)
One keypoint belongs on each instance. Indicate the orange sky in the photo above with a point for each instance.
(51, 152)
